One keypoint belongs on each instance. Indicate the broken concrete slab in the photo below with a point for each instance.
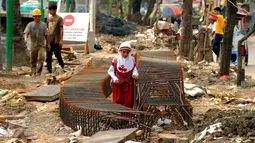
(113, 136)
(45, 94)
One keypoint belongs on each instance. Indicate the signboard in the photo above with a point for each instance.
(75, 26)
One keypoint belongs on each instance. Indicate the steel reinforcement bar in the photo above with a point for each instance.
(84, 104)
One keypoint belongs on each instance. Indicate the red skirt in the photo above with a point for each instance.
(123, 94)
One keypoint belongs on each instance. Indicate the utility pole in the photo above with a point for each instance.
(92, 25)
(42, 10)
(9, 36)
(67, 5)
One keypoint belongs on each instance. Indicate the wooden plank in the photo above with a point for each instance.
(113, 136)
(66, 52)
(23, 72)
(65, 48)
(19, 90)
(72, 63)
(80, 51)
(11, 117)
(47, 93)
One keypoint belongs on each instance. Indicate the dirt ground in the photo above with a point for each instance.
(227, 104)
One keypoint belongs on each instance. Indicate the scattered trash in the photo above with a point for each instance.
(6, 132)
(211, 129)
(193, 90)
(3, 92)
(132, 142)
(77, 133)
(98, 47)
(224, 77)
(163, 121)
(157, 129)
(242, 105)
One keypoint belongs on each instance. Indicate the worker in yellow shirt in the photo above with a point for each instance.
(218, 31)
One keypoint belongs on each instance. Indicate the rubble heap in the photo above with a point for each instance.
(234, 122)
(114, 26)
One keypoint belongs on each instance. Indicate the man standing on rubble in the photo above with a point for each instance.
(55, 27)
(38, 34)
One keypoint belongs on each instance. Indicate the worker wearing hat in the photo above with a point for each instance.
(38, 33)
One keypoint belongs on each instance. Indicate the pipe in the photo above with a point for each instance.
(67, 5)
(42, 10)
(9, 36)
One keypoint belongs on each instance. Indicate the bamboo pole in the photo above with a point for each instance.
(206, 27)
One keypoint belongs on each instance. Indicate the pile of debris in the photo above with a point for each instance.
(236, 124)
(114, 26)
(202, 76)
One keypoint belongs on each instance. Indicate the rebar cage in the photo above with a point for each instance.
(84, 103)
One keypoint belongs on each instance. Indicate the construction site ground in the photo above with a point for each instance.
(213, 101)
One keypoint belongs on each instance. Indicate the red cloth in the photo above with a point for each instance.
(123, 93)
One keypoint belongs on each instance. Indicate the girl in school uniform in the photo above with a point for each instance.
(123, 72)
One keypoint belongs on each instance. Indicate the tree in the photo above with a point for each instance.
(187, 28)
(136, 15)
(130, 2)
(72, 6)
(20, 52)
(1, 51)
(228, 38)
(109, 7)
(149, 11)
(136, 6)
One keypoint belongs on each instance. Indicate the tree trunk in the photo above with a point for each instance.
(130, 9)
(121, 9)
(1, 50)
(228, 39)
(20, 52)
(136, 6)
(72, 6)
(187, 28)
(109, 7)
(136, 16)
(149, 11)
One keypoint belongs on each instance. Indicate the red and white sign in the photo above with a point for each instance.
(68, 20)
(75, 26)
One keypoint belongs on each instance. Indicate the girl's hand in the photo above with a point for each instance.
(117, 81)
(135, 77)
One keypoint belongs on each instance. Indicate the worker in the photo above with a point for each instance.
(212, 25)
(55, 28)
(38, 33)
(123, 72)
(218, 31)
